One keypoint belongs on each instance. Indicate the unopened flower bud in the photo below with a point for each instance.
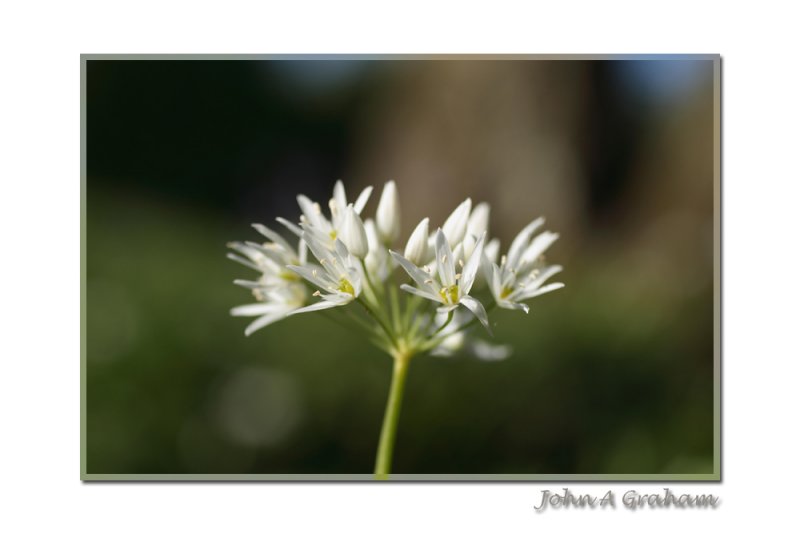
(478, 220)
(387, 217)
(455, 226)
(417, 246)
(353, 234)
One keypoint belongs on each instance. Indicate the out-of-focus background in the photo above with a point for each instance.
(612, 374)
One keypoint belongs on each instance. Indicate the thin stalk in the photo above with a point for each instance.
(444, 325)
(394, 305)
(372, 286)
(379, 320)
(412, 303)
(383, 461)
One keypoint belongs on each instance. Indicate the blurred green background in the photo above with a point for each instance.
(612, 374)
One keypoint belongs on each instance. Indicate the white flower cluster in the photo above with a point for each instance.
(351, 260)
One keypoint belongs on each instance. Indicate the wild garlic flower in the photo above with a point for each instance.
(338, 274)
(454, 266)
(455, 227)
(279, 290)
(387, 216)
(522, 271)
(338, 206)
(452, 289)
(351, 262)
(417, 247)
(378, 262)
(353, 233)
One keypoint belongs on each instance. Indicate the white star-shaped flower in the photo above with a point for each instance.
(521, 273)
(279, 291)
(451, 289)
(338, 206)
(338, 273)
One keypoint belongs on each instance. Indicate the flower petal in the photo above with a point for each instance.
(314, 274)
(362, 199)
(321, 305)
(471, 268)
(339, 196)
(539, 244)
(543, 276)
(418, 275)
(258, 308)
(475, 306)
(246, 263)
(541, 291)
(521, 242)
(492, 249)
(272, 235)
(417, 246)
(509, 305)
(478, 222)
(445, 265)
(263, 321)
(292, 227)
(455, 226)
(421, 293)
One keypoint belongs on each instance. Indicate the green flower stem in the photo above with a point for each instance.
(394, 306)
(444, 325)
(377, 316)
(383, 462)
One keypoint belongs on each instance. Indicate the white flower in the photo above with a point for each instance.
(521, 273)
(387, 215)
(278, 291)
(353, 262)
(377, 261)
(478, 221)
(353, 234)
(451, 290)
(278, 302)
(313, 216)
(491, 250)
(455, 226)
(417, 247)
(338, 274)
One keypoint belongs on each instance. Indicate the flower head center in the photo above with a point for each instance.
(346, 287)
(449, 294)
(506, 292)
(289, 276)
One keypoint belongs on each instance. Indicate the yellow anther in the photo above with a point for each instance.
(449, 294)
(288, 276)
(346, 287)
